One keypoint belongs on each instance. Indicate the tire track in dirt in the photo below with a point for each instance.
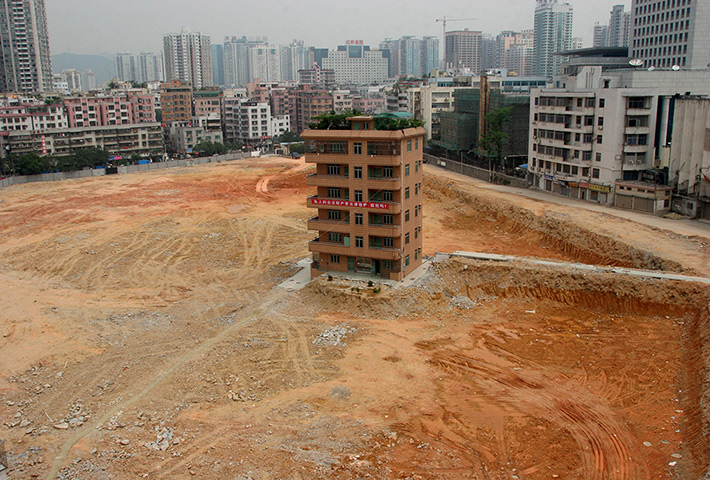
(604, 442)
(247, 316)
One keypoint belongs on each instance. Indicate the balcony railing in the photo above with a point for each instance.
(336, 204)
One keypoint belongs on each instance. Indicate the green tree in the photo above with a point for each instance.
(31, 164)
(288, 137)
(297, 148)
(134, 158)
(334, 121)
(91, 157)
(210, 148)
(494, 139)
(158, 115)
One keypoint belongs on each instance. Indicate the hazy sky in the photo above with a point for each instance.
(109, 26)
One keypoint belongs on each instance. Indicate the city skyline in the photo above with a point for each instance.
(77, 27)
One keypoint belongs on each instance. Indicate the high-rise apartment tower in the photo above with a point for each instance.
(188, 58)
(25, 60)
(553, 34)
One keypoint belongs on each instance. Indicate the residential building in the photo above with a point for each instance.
(370, 105)
(73, 78)
(411, 57)
(369, 199)
(604, 127)
(124, 67)
(553, 34)
(236, 62)
(601, 36)
(183, 138)
(671, 32)
(88, 80)
(427, 102)
(99, 110)
(280, 124)
(515, 52)
(618, 27)
(218, 64)
(310, 102)
(247, 121)
(28, 117)
(148, 68)
(294, 57)
(342, 100)
(265, 63)
(355, 63)
(25, 60)
(464, 51)
(317, 76)
(207, 109)
(188, 58)
(144, 139)
(176, 101)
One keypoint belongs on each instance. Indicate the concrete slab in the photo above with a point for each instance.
(300, 279)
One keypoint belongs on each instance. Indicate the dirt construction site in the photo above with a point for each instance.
(145, 333)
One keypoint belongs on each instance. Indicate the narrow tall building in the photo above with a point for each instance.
(464, 49)
(553, 34)
(368, 207)
(188, 58)
(25, 59)
(667, 33)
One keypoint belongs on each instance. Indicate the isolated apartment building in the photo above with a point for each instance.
(369, 199)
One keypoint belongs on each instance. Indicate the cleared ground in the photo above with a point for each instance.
(142, 336)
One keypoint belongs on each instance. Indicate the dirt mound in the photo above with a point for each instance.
(563, 238)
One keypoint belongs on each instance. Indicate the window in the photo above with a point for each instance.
(595, 173)
(387, 196)
(587, 138)
(357, 172)
(406, 238)
(600, 121)
(333, 169)
(335, 237)
(387, 219)
(416, 233)
(416, 144)
(416, 166)
(406, 261)
(586, 155)
(409, 145)
(406, 216)
(333, 192)
(599, 157)
(416, 189)
(388, 264)
(334, 214)
(589, 120)
(602, 102)
(406, 193)
(358, 219)
(416, 210)
(585, 171)
(599, 139)
(358, 195)
(387, 172)
(359, 242)
(357, 148)
(406, 170)
(388, 242)
(416, 253)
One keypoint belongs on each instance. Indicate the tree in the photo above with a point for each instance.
(494, 139)
(210, 148)
(158, 115)
(297, 148)
(334, 121)
(31, 164)
(288, 137)
(91, 157)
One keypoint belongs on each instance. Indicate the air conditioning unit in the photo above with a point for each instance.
(601, 127)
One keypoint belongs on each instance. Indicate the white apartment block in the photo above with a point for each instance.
(265, 63)
(427, 102)
(603, 128)
(246, 121)
(280, 124)
(553, 34)
(32, 117)
(188, 57)
(342, 100)
(355, 63)
(671, 32)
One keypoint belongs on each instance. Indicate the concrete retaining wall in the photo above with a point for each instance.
(99, 172)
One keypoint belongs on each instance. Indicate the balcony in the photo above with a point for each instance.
(315, 180)
(327, 158)
(337, 226)
(337, 204)
(385, 183)
(317, 246)
(385, 230)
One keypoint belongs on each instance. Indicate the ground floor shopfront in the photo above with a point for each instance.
(589, 191)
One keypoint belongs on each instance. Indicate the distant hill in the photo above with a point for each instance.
(100, 65)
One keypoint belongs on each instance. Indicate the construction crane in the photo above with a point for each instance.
(445, 19)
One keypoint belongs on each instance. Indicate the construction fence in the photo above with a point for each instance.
(490, 176)
(99, 172)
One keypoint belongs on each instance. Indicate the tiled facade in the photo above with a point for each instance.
(369, 199)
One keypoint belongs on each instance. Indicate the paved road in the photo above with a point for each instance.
(683, 227)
